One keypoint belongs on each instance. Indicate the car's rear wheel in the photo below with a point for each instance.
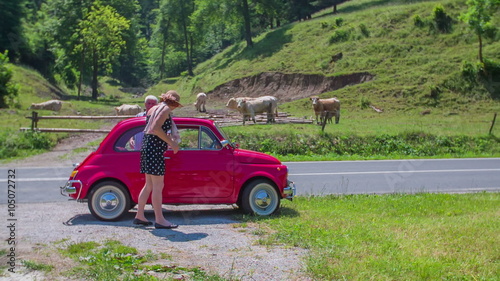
(109, 201)
(260, 198)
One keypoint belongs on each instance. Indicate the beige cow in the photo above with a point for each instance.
(54, 105)
(249, 108)
(201, 100)
(128, 109)
(326, 109)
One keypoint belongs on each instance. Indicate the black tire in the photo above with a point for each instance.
(108, 201)
(260, 198)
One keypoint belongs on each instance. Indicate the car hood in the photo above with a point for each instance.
(254, 157)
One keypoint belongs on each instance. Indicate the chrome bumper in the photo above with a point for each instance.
(289, 191)
(68, 188)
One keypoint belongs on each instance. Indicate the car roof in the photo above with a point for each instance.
(134, 121)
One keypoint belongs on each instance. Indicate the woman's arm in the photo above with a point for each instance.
(156, 129)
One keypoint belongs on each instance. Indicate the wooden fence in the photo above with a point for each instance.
(35, 118)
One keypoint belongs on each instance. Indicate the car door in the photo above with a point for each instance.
(202, 170)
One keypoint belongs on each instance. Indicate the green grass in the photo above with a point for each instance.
(115, 261)
(32, 265)
(392, 237)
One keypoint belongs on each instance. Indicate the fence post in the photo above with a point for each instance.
(493, 122)
(34, 120)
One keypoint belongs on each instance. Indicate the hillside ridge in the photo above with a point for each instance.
(287, 87)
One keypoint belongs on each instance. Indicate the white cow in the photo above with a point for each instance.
(54, 105)
(201, 99)
(128, 109)
(249, 108)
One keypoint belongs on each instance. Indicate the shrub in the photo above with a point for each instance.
(21, 143)
(339, 22)
(8, 91)
(468, 71)
(339, 36)
(441, 19)
(417, 21)
(364, 30)
(364, 102)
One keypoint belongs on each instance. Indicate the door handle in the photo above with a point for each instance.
(166, 158)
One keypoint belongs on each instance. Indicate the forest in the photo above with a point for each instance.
(137, 42)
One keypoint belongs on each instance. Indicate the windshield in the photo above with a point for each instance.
(224, 135)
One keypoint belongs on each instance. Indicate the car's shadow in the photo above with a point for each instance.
(182, 217)
(192, 217)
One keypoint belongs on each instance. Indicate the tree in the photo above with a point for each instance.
(101, 39)
(11, 15)
(178, 14)
(8, 91)
(478, 17)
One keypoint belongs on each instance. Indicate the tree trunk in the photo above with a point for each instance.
(246, 17)
(188, 52)
(480, 48)
(94, 83)
(162, 64)
(82, 61)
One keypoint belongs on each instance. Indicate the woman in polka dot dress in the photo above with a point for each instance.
(155, 143)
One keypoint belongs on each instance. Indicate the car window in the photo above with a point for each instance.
(197, 138)
(192, 138)
(131, 140)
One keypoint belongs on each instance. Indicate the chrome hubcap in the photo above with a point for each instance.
(108, 201)
(262, 199)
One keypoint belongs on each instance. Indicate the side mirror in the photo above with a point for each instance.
(224, 143)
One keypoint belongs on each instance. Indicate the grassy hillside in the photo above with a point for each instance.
(416, 67)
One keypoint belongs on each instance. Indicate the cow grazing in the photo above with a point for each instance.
(249, 108)
(326, 109)
(128, 109)
(54, 105)
(201, 99)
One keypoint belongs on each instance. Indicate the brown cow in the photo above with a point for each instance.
(326, 109)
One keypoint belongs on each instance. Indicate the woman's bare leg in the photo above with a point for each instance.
(157, 199)
(143, 198)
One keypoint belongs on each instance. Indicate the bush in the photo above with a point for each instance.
(16, 144)
(364, 30)
(417, 21)
(442, 20)
(468, 71)
(413, 144)
(364, 102)
(340, 36)
(339, 22)
(8, 91)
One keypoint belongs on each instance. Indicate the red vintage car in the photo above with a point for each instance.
(208, 169)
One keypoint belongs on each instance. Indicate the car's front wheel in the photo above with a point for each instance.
(260, 198)
(108, 201)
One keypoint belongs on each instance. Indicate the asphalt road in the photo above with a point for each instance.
(42, 184)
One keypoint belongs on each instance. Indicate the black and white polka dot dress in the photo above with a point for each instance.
(152, 150)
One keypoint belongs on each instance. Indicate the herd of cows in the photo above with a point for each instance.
(324, 109)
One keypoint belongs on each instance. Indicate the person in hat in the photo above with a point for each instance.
(155, 143)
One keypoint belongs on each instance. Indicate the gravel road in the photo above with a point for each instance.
(208, 237)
